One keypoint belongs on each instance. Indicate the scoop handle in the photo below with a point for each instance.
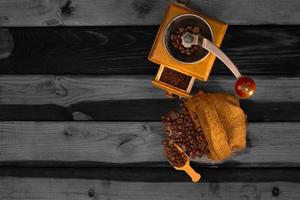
(192, 173)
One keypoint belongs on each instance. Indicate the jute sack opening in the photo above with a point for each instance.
(222, 120)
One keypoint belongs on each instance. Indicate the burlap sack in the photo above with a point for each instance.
(222, 120)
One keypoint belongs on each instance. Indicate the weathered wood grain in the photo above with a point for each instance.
(73, 189)
(124, 50)
(140, 12)
(68, 90)
(131, 144)
(47, 97)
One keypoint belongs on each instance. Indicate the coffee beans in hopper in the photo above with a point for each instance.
(180, 129)
(176, 39)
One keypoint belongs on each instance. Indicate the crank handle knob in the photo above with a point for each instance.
(245, 87)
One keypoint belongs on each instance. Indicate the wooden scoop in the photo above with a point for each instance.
(186, 167)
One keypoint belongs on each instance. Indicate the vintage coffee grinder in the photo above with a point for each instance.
(185, 47)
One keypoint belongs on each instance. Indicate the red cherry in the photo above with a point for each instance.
(245, 87)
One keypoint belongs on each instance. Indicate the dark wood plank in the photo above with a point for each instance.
(46, 189)
(142, 12)
(130, 98)
(6, 43)
(138, 110)
(156, 174)
(124, 50)
(131, 144)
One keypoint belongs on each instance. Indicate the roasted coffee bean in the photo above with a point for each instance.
(172, 115)
(181, 29)
(196, 47)
(174, 44)
(196, 29)
(189, 28)
(173, 37)
(180, 129)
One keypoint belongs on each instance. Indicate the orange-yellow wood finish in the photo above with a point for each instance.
(159, 54)
(198, 70)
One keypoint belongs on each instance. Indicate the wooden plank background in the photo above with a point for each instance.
(155, 174)
(79, 118)
(132, 144)
(41, 188)
(256, 50)
(130, 97)
(140, 12)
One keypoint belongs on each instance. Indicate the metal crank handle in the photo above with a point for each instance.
(209, 46)
(244, 86)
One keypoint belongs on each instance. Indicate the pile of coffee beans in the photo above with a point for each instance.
(177, 158)
(180, 129)
(177, 42)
